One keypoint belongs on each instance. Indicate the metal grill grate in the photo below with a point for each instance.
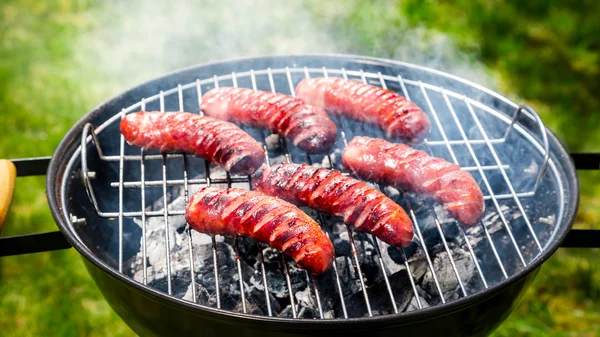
(472, 146)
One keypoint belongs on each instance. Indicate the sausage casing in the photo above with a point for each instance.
(212, 139)
(398, 117)
(285, 227)
(399, 165)
(308, 127)
(329, 191)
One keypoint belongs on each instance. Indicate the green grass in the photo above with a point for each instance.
(545, 55)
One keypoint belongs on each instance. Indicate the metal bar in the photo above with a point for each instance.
(323, 225)
(288, 159)
(311, 279)
(260, 250)
(237, 253)
(411, 278)
(240, 274)
(437, 223)
(289, 285)
(581, 238)
(486, 182)
(504, 175)
(33, 243)
(438, 226)
(583, 160)
(514, 242)
(187, 198)
(31, 166)
(166, 211)
(264, 278)
(122, 151)
(143, 197)
(495, 252)
(208, 182)
(353, 246)
(375, 241)
(174, 182)
(421, 242)
(214, 245)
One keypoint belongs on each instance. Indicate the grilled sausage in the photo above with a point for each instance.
(329, 191)
(399, 165)
(214, 140)
(265, 218)
(398, 117)
(308, 127)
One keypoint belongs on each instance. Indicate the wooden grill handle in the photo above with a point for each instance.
(8, 173)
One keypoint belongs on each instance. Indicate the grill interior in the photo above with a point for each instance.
(137, 200)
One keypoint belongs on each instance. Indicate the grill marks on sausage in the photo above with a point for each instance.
(285, 227)
(401, 166)
(329, 191)
(308, 127)
(398, 117)
(212, 139)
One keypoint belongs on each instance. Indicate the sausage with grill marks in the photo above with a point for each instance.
(235, 211)
(212, 139)
(398, 117)
(399, 165)
(329, 191)
(308, 127)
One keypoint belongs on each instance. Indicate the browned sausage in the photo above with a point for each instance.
(234, 211)
(399, 165)
(212, 139)
(308, 127)
(329, 191)
(398, 117)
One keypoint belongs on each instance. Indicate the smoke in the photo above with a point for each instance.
(134, 41)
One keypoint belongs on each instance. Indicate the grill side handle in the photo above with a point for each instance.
(42, 242)
(28, 243)
(584, 238)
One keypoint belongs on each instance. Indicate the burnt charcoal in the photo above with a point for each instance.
(286, 312)
(379, 297)
(414, 305)
(251, 307)
(396, 254)
(248, 250)
(445, 274)
(255, 291)
(202, 295)
(342, 247)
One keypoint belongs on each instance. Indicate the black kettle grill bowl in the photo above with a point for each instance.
(107, 244)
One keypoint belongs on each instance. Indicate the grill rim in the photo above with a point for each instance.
(56, 174)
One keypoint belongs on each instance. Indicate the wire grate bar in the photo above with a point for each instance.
(411, 279)
(166, 211)
(421, 242)
(487, 234)
(122, 150)
(237, 250)
(212, 237)
(437, 121)
(506, 179)
(437, 223)
(323, 225)
(187, 198)
(415, 223)
(260, 250)
(143, 208)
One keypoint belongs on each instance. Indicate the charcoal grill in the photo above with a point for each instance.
(120, 206)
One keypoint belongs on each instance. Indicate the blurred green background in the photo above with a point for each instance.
(58, 59)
